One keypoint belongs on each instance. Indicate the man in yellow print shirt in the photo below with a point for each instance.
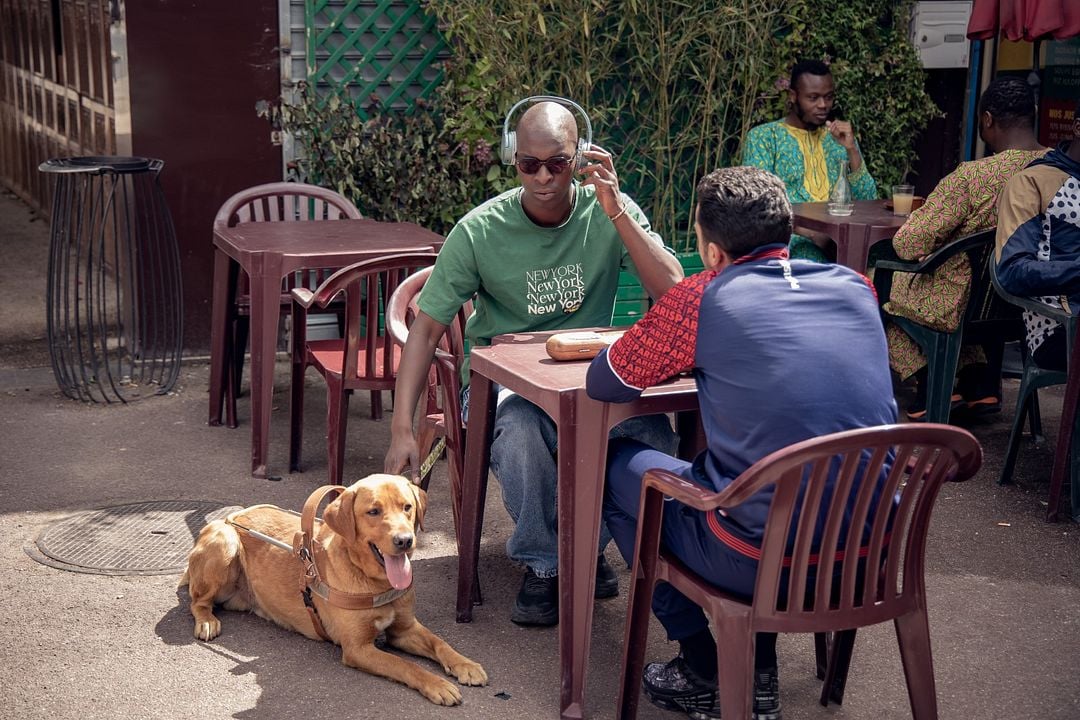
(807, 148)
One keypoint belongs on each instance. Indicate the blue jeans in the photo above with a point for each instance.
(685, 532)
(523, 461)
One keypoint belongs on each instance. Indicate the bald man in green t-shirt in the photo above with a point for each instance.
(543, 256)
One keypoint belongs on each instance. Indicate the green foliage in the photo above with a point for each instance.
(671, 86)
(880, 82)
(392, 166)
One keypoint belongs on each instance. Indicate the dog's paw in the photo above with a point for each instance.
(468, 672)
(441, 692)
(207, 630)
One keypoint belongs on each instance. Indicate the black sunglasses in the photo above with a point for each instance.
(555, 165)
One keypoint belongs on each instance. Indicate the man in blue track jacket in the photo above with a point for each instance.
(782, 351)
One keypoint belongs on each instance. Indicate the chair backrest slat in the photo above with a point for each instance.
(866, 492)
(831, 538)
(880, 525)
(804, 534)
(912, 493)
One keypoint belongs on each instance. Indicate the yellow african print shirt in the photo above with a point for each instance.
(808, 161)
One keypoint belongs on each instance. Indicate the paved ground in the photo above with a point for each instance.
(1003, 585)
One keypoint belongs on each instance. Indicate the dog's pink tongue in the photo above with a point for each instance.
(398, 570)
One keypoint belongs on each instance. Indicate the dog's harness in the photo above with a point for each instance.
(310, 554)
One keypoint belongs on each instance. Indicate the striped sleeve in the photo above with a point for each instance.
(659, 346)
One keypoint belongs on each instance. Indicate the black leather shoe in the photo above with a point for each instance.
(537, 601)
(607, 582)
(674, 686)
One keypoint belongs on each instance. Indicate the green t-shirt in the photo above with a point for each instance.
(528, 278)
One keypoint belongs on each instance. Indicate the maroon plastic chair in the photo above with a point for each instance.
(442, 419)
(1067, 454)
(272, 202)
(443, 416)
(828, 590)
(365, 359)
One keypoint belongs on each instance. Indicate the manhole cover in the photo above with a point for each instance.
(151, 538)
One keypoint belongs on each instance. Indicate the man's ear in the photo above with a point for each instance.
(340, 517)
(715, 257)
(421, 504)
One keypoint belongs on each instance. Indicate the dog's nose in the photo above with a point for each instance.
(403, 541)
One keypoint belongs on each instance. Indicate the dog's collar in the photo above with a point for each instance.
(354, 601)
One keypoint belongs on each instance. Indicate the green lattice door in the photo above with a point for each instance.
(387, 48)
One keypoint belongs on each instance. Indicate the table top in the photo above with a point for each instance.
(867, 212)
(326, 237)
(523, 356)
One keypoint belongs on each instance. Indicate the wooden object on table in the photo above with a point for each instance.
(580, 344)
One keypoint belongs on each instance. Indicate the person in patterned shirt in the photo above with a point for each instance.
(1038, 244)
(722, 325)
(964, 202)
(806, 150)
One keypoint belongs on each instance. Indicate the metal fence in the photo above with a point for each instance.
(56, 91)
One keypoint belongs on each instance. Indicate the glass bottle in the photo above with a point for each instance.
(840, 202)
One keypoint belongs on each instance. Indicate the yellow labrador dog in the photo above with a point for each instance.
(364, 543)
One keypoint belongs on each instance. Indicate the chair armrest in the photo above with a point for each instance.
(1034, 306)
(303, 297)
(677, 488)
(701, 498)
(1038, 308)
(340, 280)
(897, 265)
(884, 269)
(937, 258)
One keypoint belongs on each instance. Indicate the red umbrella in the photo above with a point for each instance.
(1024, 19)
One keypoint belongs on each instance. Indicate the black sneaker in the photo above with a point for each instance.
(674, 686)
(537, 601)
(607, 582)
(766, 694)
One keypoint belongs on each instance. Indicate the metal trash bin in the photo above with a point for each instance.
(114, 300)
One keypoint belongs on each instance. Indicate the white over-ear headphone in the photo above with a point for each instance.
(508, 149)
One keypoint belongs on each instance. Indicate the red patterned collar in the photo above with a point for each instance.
(768, 254)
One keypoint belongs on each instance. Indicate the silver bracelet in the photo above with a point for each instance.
(619, 214)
